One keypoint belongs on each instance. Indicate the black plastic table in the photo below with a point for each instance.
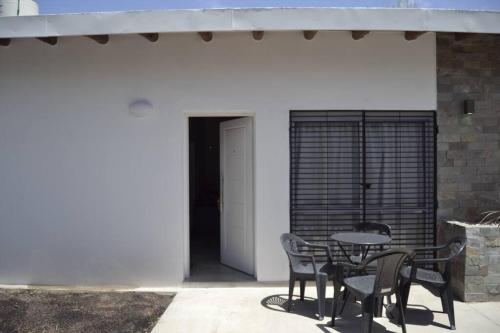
(363, 239)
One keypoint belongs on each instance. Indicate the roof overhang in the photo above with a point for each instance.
(264, 19)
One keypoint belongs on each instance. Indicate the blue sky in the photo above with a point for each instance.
(76, 6)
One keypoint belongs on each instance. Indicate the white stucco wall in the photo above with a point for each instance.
(90, 195)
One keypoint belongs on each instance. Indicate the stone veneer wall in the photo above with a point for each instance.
(476, 273)
(468, 145)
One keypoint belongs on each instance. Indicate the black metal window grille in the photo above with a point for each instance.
(347, 167)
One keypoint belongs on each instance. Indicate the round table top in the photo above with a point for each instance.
(360, 238)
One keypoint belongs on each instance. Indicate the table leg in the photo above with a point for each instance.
(345, 253)
(365, 252)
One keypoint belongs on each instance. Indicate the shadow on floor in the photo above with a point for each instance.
(421, 315)
(206, 266)
(306, 308)
(350, 320)
(216, 272)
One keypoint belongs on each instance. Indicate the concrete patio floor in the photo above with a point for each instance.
(255, 307)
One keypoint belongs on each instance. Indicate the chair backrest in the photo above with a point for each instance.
(389, 265)
(373, 227)
(291, 244)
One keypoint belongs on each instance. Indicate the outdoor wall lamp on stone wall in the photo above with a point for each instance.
(469, 106)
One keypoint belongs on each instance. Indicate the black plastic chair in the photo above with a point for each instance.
(380, 228)
(304, 267)
(369, 288)
(371, 227)
(435, 281)
(376, 228)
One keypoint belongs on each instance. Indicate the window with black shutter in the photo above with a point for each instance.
(347, 167)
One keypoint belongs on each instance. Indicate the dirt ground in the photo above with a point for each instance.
(30, 311)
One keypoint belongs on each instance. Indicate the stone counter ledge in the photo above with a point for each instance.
(476, 273)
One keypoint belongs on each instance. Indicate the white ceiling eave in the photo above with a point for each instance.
(268, 19)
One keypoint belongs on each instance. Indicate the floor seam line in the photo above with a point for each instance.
(484, 316)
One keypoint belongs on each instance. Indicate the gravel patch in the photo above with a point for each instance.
(40, 311)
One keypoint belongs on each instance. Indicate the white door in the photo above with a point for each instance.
(236, 167)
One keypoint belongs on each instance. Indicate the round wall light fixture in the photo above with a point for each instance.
(141, 108)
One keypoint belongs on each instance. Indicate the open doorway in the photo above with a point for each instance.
(215, 144)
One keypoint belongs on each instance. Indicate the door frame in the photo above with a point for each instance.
(186, 227)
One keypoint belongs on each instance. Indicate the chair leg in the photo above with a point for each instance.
(345, 298)
(291, 285)
(449, 307)
(451, 310)
(444, 302)
(402, 318)
(367, 309)
(379, 305)
(345, 294)
(321, 289)
(302, 289)
(405, 291)
(336, 294)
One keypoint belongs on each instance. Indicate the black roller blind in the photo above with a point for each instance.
(347, 167)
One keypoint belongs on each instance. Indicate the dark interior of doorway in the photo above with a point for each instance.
(204, 196)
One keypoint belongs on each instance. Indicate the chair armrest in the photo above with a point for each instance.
(430, 248)
(301, 255)
(323, 247)
(350, 266)
(431, 260)
(305, 256)
(342, 266)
